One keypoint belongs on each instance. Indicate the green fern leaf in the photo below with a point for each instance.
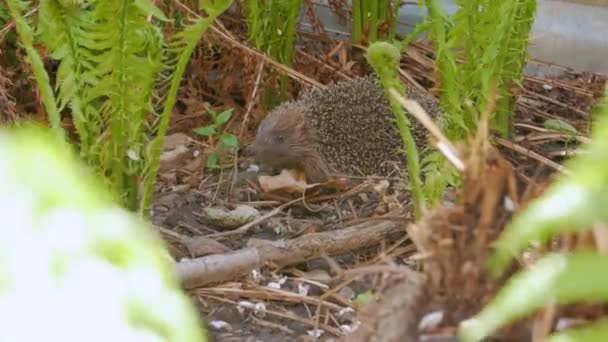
(181, 47)
(555, 279)
(592, 333)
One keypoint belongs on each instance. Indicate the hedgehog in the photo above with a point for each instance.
(345, 129)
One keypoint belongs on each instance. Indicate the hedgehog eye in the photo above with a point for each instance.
(280, 138)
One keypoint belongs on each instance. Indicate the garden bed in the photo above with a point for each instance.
(270, 304)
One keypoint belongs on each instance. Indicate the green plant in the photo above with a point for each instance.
(374, 20)
(226, 140)
(384, 58)
(114, 69)
(66, 236)
(271, 26)
(26, 35)
(490, 38)
(574, 202)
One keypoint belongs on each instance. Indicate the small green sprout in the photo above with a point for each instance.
(214, 130)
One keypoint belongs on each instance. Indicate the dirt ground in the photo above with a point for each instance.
(288, 299)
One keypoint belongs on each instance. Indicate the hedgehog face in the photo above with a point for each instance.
(280, 141)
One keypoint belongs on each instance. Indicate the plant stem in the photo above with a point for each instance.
(371, 16)
(201, 25)
(384, 58)
(357, 22)
(35, 61)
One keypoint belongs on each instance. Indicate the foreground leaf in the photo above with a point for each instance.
(555, 279)
(74, 265)
(574, 202)
(592, 333)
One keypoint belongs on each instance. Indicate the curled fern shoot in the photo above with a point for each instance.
(384, 58)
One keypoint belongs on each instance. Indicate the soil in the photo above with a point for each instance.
(565, 99)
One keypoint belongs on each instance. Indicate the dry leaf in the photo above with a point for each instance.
(290, 181)
(233, 219)
(200, 246)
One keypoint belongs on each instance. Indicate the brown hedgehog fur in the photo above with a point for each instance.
(347, 128)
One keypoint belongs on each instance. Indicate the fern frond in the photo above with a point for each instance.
(182, 45)
(63, 30)
(16, 7)
(127, 60)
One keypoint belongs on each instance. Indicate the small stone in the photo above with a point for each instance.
(347, 293)
(220, 325)
(430, 321)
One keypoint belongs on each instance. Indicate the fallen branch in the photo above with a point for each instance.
(394, 316)
(224, 267)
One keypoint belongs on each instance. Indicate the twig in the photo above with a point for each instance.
(264, 293)
(555, 102)
(287, 70)
(580, 138)
(544, 160)
(254, 94)
(224, 267)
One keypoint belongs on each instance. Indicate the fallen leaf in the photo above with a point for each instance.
(173, 141)
(175, 151)
(200, 246)
(560, 126)
(290, 181)
(232, 219)
(334, 184)
(318, 275)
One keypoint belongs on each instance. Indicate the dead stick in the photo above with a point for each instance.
(443, 144)
(224, 267)
(529, 153)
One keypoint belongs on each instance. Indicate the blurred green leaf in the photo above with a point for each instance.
(148, 7)
(223, 117)
(106, 244)
(364, 297)
(560, 126)
(575, 202)
(229, 140)
(212, 160)
(594, 332)
(206, 131)
(555, 279)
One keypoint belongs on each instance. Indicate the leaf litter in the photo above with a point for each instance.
(300, 271)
